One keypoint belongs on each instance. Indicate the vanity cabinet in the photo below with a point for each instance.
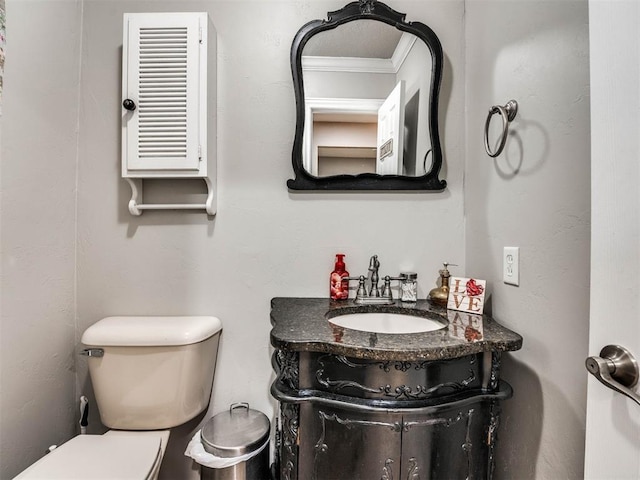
(342, 443)
(359, 405)
(451, 443)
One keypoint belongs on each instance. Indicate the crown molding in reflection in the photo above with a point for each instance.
(361, 65)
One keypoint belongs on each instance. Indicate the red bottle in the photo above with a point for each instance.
(339, 288)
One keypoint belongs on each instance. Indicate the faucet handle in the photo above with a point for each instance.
(362, 291)
(386, 290)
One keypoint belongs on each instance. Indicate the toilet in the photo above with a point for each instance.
(149, 374)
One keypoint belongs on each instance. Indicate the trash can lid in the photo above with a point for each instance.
(237, 432)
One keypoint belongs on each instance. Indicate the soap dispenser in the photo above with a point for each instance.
(440, 295)
(338, 286)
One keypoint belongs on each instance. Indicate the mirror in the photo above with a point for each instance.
(366, 85)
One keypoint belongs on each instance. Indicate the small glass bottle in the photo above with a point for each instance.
(408, 286)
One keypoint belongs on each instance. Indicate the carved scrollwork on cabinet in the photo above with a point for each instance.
(289, 449)
(492, 432)
(414, 473)
(397, 373)
(496, 360)
(286, 365)
(387, 473)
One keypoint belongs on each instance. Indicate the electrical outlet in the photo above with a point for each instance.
(511, 266)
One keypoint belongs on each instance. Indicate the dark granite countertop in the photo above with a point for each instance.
(301, 324)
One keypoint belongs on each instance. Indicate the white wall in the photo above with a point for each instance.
(535, 196)
(39, 130)
(265, 241)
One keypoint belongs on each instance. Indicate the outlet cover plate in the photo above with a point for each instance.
(511, 266)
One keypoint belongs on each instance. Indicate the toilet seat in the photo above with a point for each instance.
(100, 457)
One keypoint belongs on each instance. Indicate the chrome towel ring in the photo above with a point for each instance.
(508, 113)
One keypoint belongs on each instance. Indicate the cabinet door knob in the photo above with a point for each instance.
(617, 369)
(129, 104)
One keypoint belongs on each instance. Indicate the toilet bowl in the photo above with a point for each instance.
(149, 374)
(114, 455)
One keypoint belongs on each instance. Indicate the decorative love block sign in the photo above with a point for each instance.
(466, 294)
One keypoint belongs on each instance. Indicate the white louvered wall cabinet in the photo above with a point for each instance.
(169, 104)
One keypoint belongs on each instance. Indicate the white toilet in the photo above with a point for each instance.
(149, 374)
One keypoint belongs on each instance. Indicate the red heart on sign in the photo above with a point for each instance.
(473, 289)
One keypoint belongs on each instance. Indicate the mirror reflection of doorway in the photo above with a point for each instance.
(391, 133)
(344, 143)
(352, 136)
(336, 122)
(346, 160)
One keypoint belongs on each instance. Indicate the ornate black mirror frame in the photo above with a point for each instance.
(372, 10)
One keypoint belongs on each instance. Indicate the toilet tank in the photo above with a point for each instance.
(155, 372)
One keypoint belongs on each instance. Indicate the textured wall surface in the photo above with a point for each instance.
(39, 145)
(535, 196)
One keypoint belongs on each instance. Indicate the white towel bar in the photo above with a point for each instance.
(136, 207)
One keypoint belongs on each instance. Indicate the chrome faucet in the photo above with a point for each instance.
(368, 292)
(372, 277)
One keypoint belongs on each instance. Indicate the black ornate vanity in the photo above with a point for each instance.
(363, 405)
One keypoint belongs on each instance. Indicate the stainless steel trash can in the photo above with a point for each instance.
(240, 431)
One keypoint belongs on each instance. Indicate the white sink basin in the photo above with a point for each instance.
(382, 322)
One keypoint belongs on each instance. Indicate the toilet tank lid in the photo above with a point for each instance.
(150, 331)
